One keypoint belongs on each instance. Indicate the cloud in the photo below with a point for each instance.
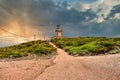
(115, 11)
(102, 8)
(29, 17)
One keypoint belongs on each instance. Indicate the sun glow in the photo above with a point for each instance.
(19, 32)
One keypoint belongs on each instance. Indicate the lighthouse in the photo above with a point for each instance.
(58, 32)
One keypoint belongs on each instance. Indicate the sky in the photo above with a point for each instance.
(40, 17)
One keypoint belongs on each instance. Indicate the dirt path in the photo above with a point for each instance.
(24, 69)
(67, 67)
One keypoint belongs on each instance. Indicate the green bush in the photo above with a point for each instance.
(14, 54)
(34, 47)
(87, 45)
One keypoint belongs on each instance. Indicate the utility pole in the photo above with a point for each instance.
(34, 37)
(44, 36)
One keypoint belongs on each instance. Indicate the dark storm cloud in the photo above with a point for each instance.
(64, 16)
(47, 14)
(41, 12)
(115, 9)
(111, 24)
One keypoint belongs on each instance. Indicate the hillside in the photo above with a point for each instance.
(81, 46)
(30, 48)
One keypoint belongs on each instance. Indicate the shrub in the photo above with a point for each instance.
(88, 45)
(33, 47)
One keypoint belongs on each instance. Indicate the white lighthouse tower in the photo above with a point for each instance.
(58, 32)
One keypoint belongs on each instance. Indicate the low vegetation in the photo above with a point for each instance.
(81, 46)
(30, 48)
